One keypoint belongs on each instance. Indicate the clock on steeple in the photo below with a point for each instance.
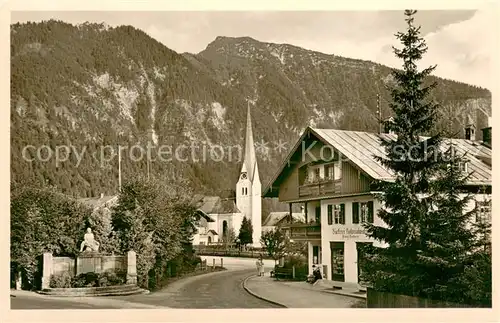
(243, 175)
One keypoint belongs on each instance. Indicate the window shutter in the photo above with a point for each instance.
(342, 213)
(370, 212)
(326, 171)
(355, 212)
(330, 217)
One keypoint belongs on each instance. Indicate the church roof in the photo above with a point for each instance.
(250, 161)
(274, 218)
(216, 205)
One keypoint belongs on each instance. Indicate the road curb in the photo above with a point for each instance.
(344, 294)
(249, 291)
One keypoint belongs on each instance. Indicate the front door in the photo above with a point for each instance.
(360, 257)
(337, 249)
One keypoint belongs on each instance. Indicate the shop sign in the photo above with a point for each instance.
(349, 233)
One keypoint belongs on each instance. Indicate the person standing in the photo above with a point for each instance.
(261, 272)
(257, 264)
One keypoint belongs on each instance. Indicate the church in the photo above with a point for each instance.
(219, 216)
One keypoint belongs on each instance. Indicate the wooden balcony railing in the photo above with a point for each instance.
(302, 231)
(320, 188)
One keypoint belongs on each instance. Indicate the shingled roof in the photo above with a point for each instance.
(97, 202)
(215, 205)
(275, 218)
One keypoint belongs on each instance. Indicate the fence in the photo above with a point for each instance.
(376, 299)
(229, 252)
(202, 266)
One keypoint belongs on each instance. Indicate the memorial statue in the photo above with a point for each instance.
(89, 242)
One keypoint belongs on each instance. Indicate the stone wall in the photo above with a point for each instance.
(63, 265)
(88, 262)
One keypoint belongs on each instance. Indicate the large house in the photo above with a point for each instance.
(329, 172)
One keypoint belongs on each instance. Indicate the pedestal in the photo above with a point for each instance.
(131, 267)
(89, 262)
(46, 270)
(19, 281)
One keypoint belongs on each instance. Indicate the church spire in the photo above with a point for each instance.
(250, 161)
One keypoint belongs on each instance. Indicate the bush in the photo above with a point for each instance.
(98, 280)
(300, 264)
(111, 279)
(85, 280)
(60, 281)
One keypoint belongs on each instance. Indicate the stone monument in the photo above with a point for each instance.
(89, 243)
(90, 260)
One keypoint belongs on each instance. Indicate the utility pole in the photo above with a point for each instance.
(379, 115)
(147, 164)
(119, 169)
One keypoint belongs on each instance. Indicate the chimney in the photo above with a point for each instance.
(487, 138)
(386, 125)
(470, 132)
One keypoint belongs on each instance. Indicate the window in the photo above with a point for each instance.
(242, 191)
(246, 191)
(483, 214)
(318, 214)
(330, 214)
(337, 171)
(329, 172)
(462, 166)
(316, 174)
(338, 214)
(316, 259)
(362, 212)
(355, 212)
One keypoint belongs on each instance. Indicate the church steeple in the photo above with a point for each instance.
(250, 161)
(248, 187)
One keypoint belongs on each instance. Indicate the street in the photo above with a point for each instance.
(214, 290)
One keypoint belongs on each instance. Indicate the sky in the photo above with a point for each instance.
(459, 41)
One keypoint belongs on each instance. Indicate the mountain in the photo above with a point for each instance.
(90, 86)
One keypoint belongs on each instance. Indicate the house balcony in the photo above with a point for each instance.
(305, 231)
(319, 188)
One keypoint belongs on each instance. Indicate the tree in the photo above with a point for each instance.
(275, 242)
(246, 231)
(157, 219)
(100, 222)
(229, 237)
(43, 220)
(427, 241)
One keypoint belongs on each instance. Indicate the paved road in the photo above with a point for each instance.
(36, 302)
(214, 290)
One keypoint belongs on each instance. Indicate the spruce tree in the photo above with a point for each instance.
(425, 233)
(246, 232)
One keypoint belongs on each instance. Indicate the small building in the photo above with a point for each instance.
(278, 219)
(330, 173)
(104, 202)
(217, 217)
